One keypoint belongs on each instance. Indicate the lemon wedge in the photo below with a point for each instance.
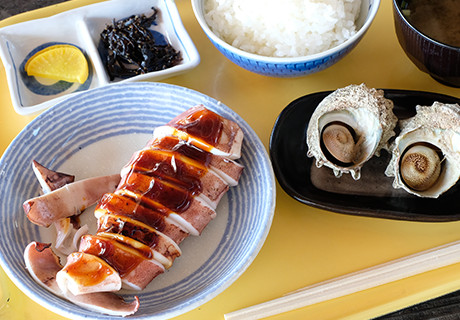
(59, 62)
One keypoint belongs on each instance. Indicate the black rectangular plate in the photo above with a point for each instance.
(372, 195)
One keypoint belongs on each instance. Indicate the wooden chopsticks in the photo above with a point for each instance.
(353, 282)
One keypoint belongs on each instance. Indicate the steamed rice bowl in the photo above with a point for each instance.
(290, 28)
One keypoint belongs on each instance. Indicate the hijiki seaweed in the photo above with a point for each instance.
(133, 50)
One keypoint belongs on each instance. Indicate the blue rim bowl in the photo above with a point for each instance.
(289, 67)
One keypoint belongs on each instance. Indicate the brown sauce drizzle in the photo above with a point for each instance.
(89, 274)
(168, 195)
(128, 228)
(40, 246)
(121, 257)
(181, 147)
(131, 208)
(166, 165)
(202, 124)
(162, 179)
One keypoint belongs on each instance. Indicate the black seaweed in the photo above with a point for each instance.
(132, 49)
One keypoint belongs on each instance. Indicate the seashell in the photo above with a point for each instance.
(348, 127)
(426, 154)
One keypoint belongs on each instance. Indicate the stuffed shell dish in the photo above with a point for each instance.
(426, 154)
(349, 127)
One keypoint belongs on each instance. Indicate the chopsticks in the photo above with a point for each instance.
(353, 282)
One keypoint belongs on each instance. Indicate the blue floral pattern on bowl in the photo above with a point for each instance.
(295, 69)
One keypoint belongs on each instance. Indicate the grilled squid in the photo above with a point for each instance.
(167, 191)
(43, 265)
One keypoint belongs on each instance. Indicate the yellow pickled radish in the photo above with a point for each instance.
(59, 62)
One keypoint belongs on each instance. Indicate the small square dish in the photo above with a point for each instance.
(82, 27)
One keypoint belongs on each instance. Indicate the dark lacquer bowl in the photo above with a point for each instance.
(439, 60)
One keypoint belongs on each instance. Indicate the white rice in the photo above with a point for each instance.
(288, 28)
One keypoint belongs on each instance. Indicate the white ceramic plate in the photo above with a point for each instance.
(82, 27)
(95, 133)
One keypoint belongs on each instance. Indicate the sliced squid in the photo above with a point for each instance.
(166, 214)
(229, 170)
(69, 200)
(191, 175)
(87, 273)
(68, 235)
(142, 275)
(137, 264)
(170, 198)
(120, 203)
(205, 130)
(67, 229)
(167, 191)
(43, 265)
(50, 180)
(164, 248)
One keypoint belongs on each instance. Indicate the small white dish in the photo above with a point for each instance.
(82, 27)
(95, 133)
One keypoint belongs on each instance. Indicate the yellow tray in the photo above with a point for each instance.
(305, 245)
